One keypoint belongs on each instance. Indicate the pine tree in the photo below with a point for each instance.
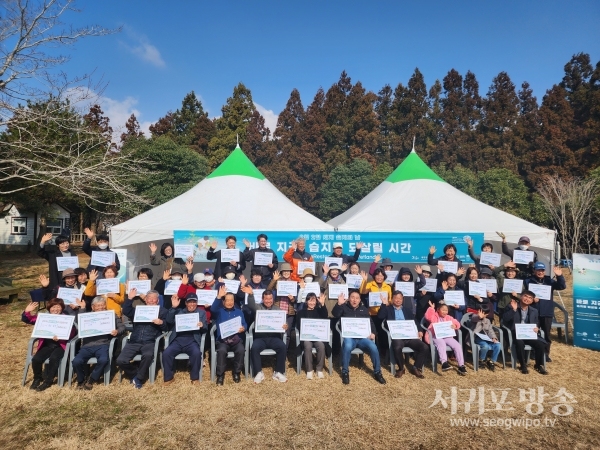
(132, 129)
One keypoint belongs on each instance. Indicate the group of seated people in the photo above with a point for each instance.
(426, 308)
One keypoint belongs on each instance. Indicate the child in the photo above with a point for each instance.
(440, 314)
(482, 325)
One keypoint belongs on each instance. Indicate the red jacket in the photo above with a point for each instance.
(186, 289)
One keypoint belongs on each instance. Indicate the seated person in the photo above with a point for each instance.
(314, 310)
(113, 300)
(354, 308)
(522, 312)
(481, 324)
(187, 342)
(102, 241)
(62, 250)
(141, 340)
(440, 314)
(95, 347)
(199, 282)
(51, 349)
(263, 341)
(224, 309)
(396, 310)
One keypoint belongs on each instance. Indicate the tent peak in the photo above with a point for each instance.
(413, 168)
(237, 163)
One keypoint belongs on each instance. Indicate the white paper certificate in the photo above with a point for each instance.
(391, 276)
(454, 298)
(257, 295)
(541, 291)
(329, 260)
(107, 286)
(232, 286)
(302, 265)
(375, 298)
(263, 258)
(102, 259)
(49, 325)
(285, 288)
(406, 287)
(336, 289)
(512, 285)
(430, 285)
(230, 327)
(69, 295)
(142, 286)
(356, 328)
(483, 337)
(525, 331)
(315, 330)
(490, 259)
(187, 322)
(172, 287)
(490, 284)
(184, 251)
(312, 287)
(206, 297)
(476, 288)
(354, 281)
(95, 323)
(403, 329)
(67, 262)
(230, 254)
(449, 266)
(270, 321)
(443, 330)
(146, 313)
(522, 256)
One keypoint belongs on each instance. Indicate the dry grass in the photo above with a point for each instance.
(298, 414)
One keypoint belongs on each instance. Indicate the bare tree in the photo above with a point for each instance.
(571, 204)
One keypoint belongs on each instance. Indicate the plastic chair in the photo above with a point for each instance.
(434, 355)
(185, 356)
(314, 352)
(513, 349)
(356, 351)
(230, 355)
(111, 347)
(152, 374)
(475, 348)
(560, 326)
(265, 352)
(405, 350)
(62, 368)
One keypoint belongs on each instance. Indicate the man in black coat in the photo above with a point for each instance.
(250, 255)
(213, 253)
(62, 250)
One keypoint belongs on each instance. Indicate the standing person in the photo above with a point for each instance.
(546, 307)
(406, 276)
(486, 247)
(102, 246)
(440, 314)
(508, 271)
(295, 254)
(62, 250)
(69, 281)
(315, 309)
(338, 249)
(525, 270)
(213, 253)
(473, 301)
(165, 260)
(308, 276)
(449, 255)
(422, 297)
(249, 255)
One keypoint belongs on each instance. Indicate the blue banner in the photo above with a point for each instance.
(399, 247)
(586, 300)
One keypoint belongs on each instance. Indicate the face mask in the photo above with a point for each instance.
(230, 276)
(208, 278)
(523, 247)
(308, 279)
(102, 246)
(176, 278)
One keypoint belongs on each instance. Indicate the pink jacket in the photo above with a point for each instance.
(434, 317)
(30, 319)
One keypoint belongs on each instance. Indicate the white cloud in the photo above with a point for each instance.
(269, 115)
(143, 49)
(119, 112)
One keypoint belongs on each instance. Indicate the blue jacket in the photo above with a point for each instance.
(196, 333)
(221, 314)
(144, 332)
(546, 307)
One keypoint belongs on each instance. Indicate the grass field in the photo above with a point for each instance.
(297, 414)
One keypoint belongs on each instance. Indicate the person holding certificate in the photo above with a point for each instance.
(199, 282)
(378, 284)
(449, 255)
(51, 349)
(284, 302)
(525, 270)
(440, 315)
(62, 251)
(175, 275)
(338, 249)
(95, 347)
(266, 269)
(332, 274)
(315, 309)
(507, 272)
(187, 342)
(522, 313)
(165, 260)
(353, 307)
(143, 274)
(295, 254)
(114, 300)
(239, 263)
(449, 284)
(424, 295)
(102, 241)
(475, 300)
(141, 339)
(69, 281)
(397, 310)
(545, 306)
(482, 327)
(406, 276)
(308, 276)
(486, 247)
(226, 315)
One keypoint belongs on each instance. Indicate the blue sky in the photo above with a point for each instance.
(167, 49)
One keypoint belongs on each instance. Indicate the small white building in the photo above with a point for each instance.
(19, 226)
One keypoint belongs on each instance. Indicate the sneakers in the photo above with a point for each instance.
(490, 365)
(309, 375)
(35, 383)
(320, 375)
(345, 378)
(379, 377)
(259, 377)
(462, 370)
(541, 370)
(136, 383)
(281, 377)
(236, 377)
(221, 380)
(446, 366)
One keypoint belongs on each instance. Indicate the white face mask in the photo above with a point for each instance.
(102, 246)
(308, 279)
(176, 278)
(230, 276)
(208, 278)
(523, 247)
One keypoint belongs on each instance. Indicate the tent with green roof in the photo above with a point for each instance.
(415, 199)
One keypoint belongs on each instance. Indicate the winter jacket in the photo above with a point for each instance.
(221, 314)
(546, 307)
(88, 249)
(220, 265)
(163, 263)
(293, 257)
(346, 310)
(283, 300)
(30, 319)
(432, 316)
(111, 303)
(412, 301)
(483, 326)
(266, 271)
(372, 286)
(525, 270)
(325, 282)
(347, 259)
(503, 298)
(434, 261)
(50, 256)
(197, 334)
(145, 332)
(182, 293)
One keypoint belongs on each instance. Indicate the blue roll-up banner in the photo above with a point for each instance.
(586, 300)
(399, 247)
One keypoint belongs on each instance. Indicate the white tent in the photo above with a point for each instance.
(414, 199)
(234, 197)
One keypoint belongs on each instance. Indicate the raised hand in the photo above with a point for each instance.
(167, 274)
(243, 280)
(360, 245)
(222, 291)
(175, 301)
(46, 238)
(80, 303)
(364, 275)
(557, 271)
(247, 289)
(502, 235)
(445, 285)
(185, 279)
(418, 269)
(189, 265)
(377, 258)
(460, 272)
(431, 305)
(152, 248)
(469, 242)
(89, 233)
(246, 243)
(132, 294)
(513, 304)
(325, 269)
(344, 267)
(341, 299)
(93, 275)
(322, 299)
(384, 299)
(440, 267)
(276, 275)
(294, 245)
(213, 244)
(31, 307)
(432, 250)
(44, 281)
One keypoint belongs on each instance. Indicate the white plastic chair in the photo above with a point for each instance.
(405, 350)
(265, 352)
(434, 355)
(185, 356)
(513, 350)
(62, 368)
(314, 352)
(92, 360)
(138, 357)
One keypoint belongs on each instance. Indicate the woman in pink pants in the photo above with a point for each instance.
(440, 314)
